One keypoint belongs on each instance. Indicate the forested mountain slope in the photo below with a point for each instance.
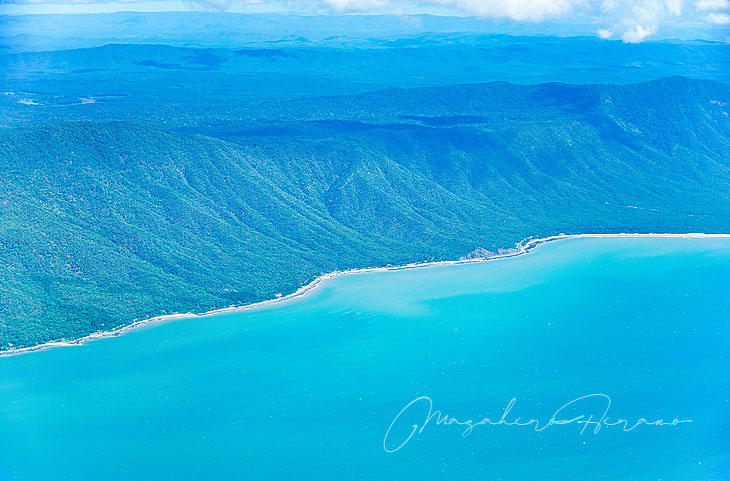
(107, 222)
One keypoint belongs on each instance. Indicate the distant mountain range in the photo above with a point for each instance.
(226, 29)
(104, 222)
(174, 87)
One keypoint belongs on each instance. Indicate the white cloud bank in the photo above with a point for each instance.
(521, 10)
(634, 21)
(705, 5)
(719, 18)
(631, 20)
(717, 11)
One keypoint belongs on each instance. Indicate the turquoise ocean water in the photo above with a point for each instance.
(308, 389)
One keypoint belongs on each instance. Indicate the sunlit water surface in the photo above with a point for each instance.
(308, 389)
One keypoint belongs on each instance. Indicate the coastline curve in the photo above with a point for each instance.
(523, 247)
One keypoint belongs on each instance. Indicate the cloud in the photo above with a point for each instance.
(63, 2)
(717, 11)
(638, 33)
(714, 5)
(521, 10)
(674, 7)
(719, 18)
(630, 20)
(636, 20)
(220, 5)
(355, 5)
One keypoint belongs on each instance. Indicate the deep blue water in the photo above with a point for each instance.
(308, 389)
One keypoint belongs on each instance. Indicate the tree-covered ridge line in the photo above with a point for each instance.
(107, 222)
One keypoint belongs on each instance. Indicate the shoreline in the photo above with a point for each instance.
(523, 247)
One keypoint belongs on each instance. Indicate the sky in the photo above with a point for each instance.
(630, 21)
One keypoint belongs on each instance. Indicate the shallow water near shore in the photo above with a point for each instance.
(308, 389)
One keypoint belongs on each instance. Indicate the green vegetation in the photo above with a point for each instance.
(107, 222)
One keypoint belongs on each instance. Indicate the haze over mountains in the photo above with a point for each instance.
(138, 180)
(216, 29)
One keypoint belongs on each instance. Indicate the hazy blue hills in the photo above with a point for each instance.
(216, 29)
(105, 222)
(176, 86)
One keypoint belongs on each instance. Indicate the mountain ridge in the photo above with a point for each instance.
(107, 222)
